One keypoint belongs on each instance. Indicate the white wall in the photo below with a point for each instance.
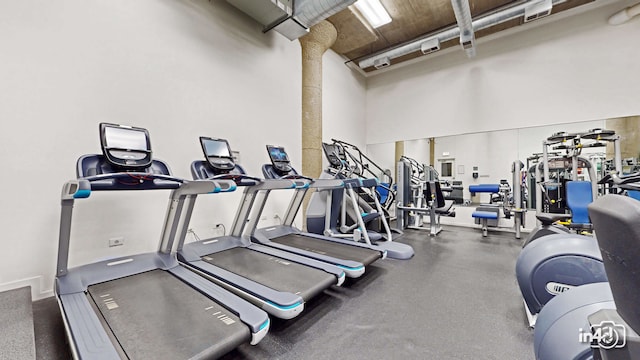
(492, 152)
(385, 154)
(179, 68)
(576, 69)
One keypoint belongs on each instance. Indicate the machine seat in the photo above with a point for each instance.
(485, 215)
(446, 209)
(484, 188)
(550, 218)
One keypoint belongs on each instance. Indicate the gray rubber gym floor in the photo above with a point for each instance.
(456, 299)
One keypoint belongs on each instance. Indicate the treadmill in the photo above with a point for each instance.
(145, 306)
(289, 238)
(277, 281)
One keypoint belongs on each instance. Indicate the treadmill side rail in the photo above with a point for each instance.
(331, 269)
(256, 319)
(282, 305)
(90, 340)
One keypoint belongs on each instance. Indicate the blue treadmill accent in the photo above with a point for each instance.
(350, 267)
(82, 194)
(288, 307)
(264, 325)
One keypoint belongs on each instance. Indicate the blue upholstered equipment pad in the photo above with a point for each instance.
(579, 195)
(485, 215)
(484, 188)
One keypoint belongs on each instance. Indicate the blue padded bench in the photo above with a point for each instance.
(484, 216)
(484, 188)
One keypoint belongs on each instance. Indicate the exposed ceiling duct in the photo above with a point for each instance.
(498, 17)
(465, 28)
(291, 18)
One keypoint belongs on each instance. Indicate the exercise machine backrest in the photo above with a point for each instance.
(616, 220)
(579, 196)
(433, 191)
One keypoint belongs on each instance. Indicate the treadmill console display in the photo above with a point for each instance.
(279, 158)
(125, 147)
(218, 153)
(334, 153)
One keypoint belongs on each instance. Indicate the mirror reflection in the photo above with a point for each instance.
(465, 160)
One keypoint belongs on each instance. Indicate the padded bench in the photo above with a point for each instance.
(484, 188)
(484, 216)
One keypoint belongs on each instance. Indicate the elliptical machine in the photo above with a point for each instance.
(600, 320)
(344, 213)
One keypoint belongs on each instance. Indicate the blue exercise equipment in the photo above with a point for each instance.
(484, 217)
(579, 196)
(484, 188)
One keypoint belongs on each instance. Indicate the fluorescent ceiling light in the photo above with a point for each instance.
(374, 12)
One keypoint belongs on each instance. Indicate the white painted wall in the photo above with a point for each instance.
(179, 68)
(384, 154)
(576, 69)
(418, 150)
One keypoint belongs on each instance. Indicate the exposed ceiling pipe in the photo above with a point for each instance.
(624, 15)
(484, 22)
(463, 17)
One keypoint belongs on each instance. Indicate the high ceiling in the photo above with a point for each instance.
(415, 19)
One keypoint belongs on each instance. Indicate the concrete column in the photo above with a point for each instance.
(314, 44)
(399, 154)
(629, 130)
(320, 38)
(432, 152)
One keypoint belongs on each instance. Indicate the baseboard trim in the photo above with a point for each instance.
(36, 287)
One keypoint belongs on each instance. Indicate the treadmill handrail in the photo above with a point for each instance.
(272, 184)
(327, 184)
(81, 188)
(239, 179)
(121, 175)
(180, 209)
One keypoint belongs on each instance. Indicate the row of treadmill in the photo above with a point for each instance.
(580, 281)
(225, 287)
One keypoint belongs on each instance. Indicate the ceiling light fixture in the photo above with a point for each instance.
(374, 12)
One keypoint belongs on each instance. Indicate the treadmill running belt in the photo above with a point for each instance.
(154, 315)
(329, 248)
(271, 271)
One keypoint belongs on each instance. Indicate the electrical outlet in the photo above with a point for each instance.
(116, 241)
(218, 230)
